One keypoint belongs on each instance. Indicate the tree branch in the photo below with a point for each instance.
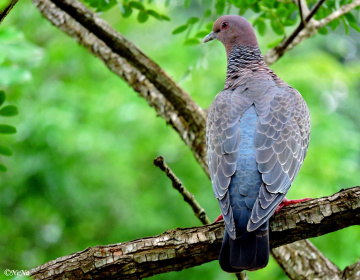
(302, 32)
(185, 248)
(302, 260)
(6, 11)
(188, 196)
(128, 62)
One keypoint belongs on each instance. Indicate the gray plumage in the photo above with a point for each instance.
(257, 135)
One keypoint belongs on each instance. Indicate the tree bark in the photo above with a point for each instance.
(184, 248)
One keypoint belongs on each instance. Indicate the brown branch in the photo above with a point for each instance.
(352, 272)
(301, 33)
(302, 260)
(6, 11)
(185, 248)
(128, 62)
(188, 196)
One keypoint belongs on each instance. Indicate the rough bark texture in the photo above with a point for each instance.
(305, 262)
(184, 248)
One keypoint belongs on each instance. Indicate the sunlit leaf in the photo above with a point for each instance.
(165, 17)
(201, 34)
(127, 11)
(8, 111)
(192, 20)
(276, 26)
(136, 5)
(323, 31)
(7, 129)
(275, 43)
(352, 21)
(5, 151)
(154, 14)
(192, 41)
(180, 29)
(142, 16)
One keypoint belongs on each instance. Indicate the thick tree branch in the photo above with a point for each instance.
(128, 62)
(188, 196)
(184, 248)
(302, 32)
(302, 260)
(6, 11)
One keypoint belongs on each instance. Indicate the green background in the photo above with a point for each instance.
(82, 172)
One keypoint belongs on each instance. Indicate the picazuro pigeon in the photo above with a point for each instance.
(257, 135)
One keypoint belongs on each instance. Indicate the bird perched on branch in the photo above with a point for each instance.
(257, 135)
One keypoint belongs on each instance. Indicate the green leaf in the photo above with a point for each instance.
(2, 97)
(192, 41)
(8, 111)
(207, 13)
(201, 34)
(277, 27)
(154, 14)
(136, 5)
(5, 151)
(346, 27)
(126, 11)
(142, 16)
(275, 43)
(7, 129)
(165, 17)
(323, 31)
(180, 29)
(261, 26)
(220, 6)
(352, 21)
(281, 12)
(192, 20)
(187, 4)
(334, 24)
(2, 168)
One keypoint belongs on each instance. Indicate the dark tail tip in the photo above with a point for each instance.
(248, 252)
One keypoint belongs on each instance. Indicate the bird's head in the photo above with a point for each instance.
(232, 30)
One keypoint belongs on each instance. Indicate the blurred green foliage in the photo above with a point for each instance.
(82, 173)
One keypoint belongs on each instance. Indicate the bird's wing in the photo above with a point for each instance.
(281, 142)
(223, 139)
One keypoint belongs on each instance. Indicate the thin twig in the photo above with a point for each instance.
(302, 33)
(188, 196)
(6, 11)
(283, 45)
(301, 12)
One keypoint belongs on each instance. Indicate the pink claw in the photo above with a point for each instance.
(219, 218)
(286, 201)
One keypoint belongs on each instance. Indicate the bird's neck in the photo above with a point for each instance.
(241, 60)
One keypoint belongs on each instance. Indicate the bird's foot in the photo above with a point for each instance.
(286, 201)
(218, 219)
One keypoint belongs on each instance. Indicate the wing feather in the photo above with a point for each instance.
(281, 142)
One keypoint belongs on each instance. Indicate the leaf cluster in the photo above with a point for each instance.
(6, 111)
(272, 15)
(127, 8)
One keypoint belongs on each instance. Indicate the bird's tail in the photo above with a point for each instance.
(250, 251)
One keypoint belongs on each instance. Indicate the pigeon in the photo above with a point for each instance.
(257, 136)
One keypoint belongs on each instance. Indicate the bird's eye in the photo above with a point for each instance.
(224, 25)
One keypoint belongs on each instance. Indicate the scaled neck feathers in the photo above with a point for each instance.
(244, 62)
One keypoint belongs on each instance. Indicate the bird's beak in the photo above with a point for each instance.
(211, 36)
